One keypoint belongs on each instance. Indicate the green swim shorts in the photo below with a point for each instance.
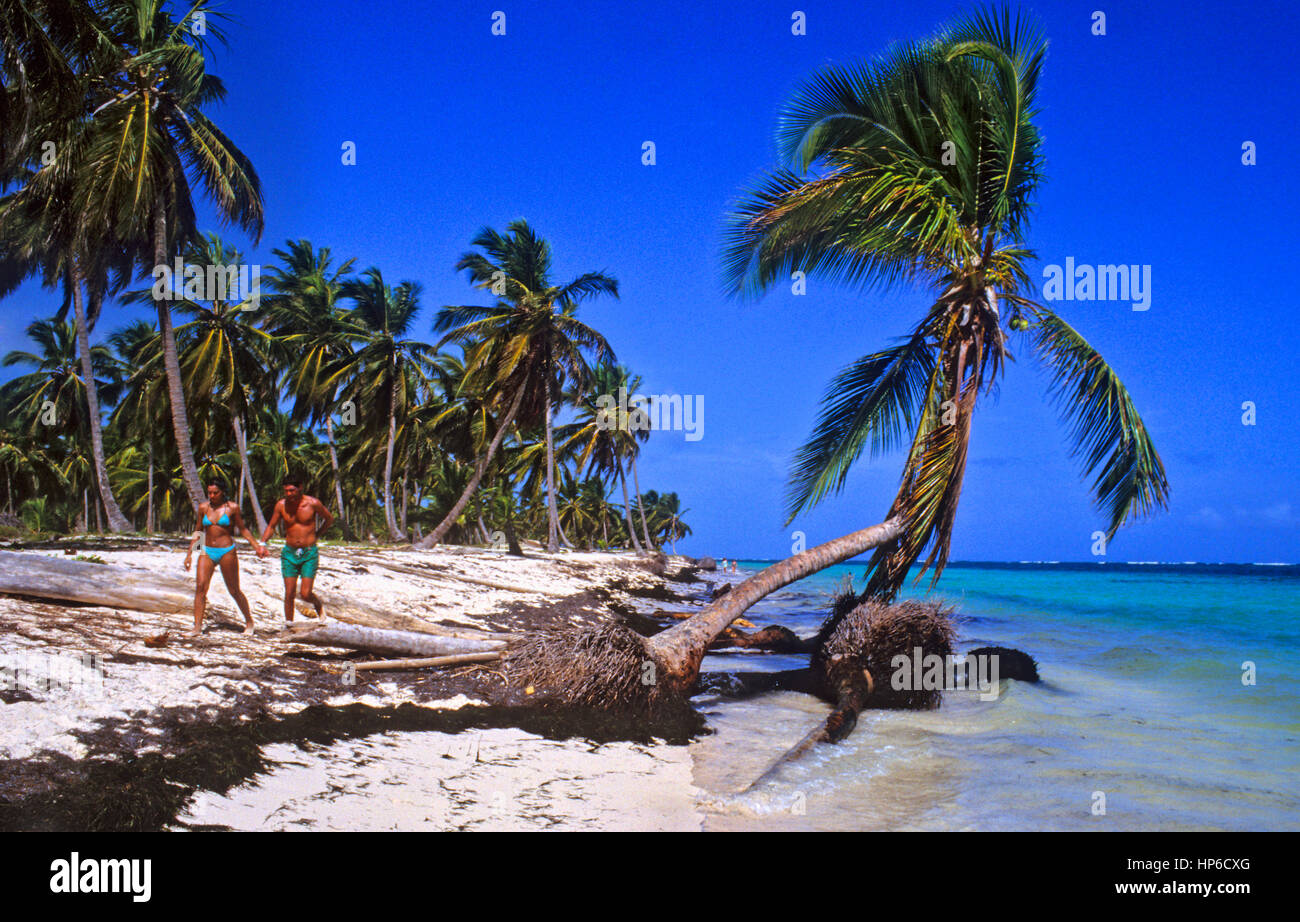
(299, 561)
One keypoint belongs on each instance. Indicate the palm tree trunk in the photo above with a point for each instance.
(338, 483)
(85, 511)
(679, 649)
(116, 521)
(389, 517)
(175, 393)
(148, 515)
(246, 472)
(552, 516)
(512, 540)
(627, 511)
(404, 532)
(435, 537)
(636, 482)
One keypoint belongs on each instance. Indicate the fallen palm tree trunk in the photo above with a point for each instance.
(93, 583)
(771, 639)
(420, 663)
(392, 643)
(352, 612)
(613, 667)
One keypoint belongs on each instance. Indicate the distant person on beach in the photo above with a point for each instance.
(300, 558)
(219, 521)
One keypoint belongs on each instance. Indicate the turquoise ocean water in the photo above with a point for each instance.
(1142, 720)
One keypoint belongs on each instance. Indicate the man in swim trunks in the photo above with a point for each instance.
(300, 557)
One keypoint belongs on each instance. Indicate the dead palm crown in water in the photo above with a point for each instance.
(613, 668)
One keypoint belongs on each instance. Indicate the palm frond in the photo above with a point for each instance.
(1109, 436)
(873, 402)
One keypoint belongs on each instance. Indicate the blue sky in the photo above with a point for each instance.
(456, 128)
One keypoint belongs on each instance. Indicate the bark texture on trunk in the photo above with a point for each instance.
(390, 518)
(171, 362)
(246, 472)
(679, 649)
(338, 482)
(627, 512)
(148, 515)
(116, 521)
(94, 583)
(640, 506)
(552, 516)
(380, 640)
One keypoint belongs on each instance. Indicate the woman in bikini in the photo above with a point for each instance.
(219, 521)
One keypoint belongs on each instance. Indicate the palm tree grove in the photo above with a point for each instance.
(421, 423)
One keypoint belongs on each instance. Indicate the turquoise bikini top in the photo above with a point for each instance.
(224, 521)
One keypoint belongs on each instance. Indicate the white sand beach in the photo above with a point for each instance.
(493, 778)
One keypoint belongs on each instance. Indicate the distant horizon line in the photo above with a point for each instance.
(1098, 563)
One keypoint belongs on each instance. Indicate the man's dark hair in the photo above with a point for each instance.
(291, 481)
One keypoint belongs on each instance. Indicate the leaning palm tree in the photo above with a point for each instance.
(925, 169)
(523, 349)
(918, 167)
(148, 143)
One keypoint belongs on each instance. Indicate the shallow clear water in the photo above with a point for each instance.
(1142, 701)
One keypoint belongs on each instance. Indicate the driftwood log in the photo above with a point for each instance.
(387, 642)
(338, 608)
(422, 662)
(94, 583)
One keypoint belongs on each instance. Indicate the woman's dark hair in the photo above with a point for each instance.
(216, 482)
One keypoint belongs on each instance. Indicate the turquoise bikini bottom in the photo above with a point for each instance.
(216, 553)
